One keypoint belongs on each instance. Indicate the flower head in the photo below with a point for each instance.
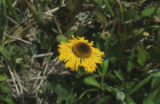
(79, 52)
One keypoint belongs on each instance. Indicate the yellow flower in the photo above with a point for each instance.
(79, 52)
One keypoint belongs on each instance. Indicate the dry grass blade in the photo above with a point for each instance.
(14, 81)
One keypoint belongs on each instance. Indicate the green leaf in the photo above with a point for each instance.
(62, 93)
(142, 55)
(158, 13)
(61, 38)
(8, 100)
(4, 88)
(109, 7)
(155, 82)
(101, 18)
(115, 91)
(119, 75)
(105, 66)
(147, 12)
(133, 53)
(156, 99)
(130, 66)
(4, 53)
(3, 77)
(144, 81)
(129, 100)
(91, 81)
(140, 84)
(132, 14)
(149, 99)
(156, 75)
(87, 91)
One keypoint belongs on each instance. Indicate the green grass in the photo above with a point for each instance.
(127, 31)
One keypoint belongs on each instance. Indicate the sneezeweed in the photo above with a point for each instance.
(79, 52)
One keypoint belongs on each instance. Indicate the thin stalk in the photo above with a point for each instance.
(57, 25)
(121, 10)
(109, 7)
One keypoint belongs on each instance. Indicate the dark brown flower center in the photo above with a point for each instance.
(82, 50)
